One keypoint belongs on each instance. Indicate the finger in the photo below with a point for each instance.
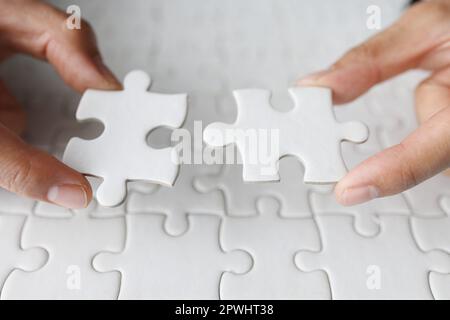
(421, 155)
(33, 173)
(400, 47)
(432, 95)
(40, 30)
(11, 113)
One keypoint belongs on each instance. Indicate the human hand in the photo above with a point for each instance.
(419, 39)
(37, 29)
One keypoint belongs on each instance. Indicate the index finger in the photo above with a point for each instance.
(421, 155)
(40, 30)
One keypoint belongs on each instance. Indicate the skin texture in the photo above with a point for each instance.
(37, 29)
(420, 39)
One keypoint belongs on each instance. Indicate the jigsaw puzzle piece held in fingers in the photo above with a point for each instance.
(309, 132)
(121, 152)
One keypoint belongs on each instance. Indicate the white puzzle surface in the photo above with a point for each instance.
(213, 235)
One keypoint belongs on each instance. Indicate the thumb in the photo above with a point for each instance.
(35, 174)
(424, 153)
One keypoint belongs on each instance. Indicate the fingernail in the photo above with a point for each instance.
(313, 78)
(70, 196)
(107, 74)
(353, 196)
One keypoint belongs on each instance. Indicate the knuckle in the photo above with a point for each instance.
(440, 8)
(421, 87)
(361, 53)
(19, 176)
(365, 53)
(85, 37)
(86, 29)
(86, 25)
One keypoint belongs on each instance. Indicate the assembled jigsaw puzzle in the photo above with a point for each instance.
(222, 231)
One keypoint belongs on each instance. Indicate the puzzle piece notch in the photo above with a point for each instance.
(14, 257)
(352, 261)
(120, 153)
(185, 267)
(311, 134)
(273, 242)
(366, 216)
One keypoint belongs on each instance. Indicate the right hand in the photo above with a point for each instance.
(420, 39)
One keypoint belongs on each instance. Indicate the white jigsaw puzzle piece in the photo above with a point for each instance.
(381, 267)
(14, 257)
(121, 152)
(309, 132)
(71, 243)
(186, 267)
(273, 242)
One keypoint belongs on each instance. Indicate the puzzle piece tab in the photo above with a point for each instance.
(309, 132)
(121, 153)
